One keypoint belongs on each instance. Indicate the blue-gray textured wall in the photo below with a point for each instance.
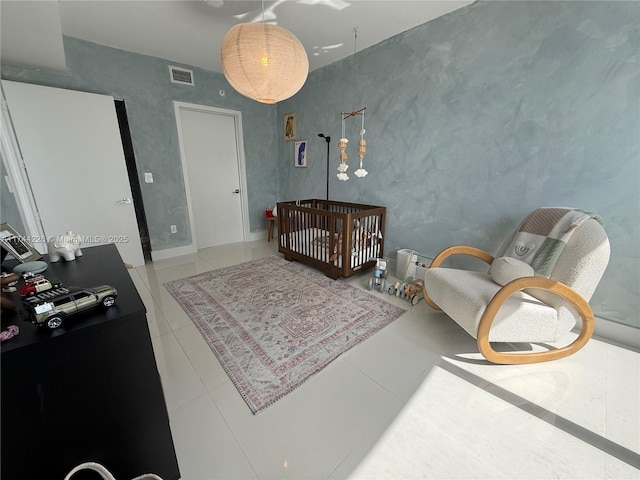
(143, 82)
(473, 120)
(478, 117)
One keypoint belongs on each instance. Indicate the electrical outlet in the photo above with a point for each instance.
(148, 177)
(174, 229)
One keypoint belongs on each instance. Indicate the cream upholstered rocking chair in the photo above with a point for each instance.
(540, 281)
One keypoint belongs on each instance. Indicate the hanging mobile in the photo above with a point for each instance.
(362, 149)
(342, 146)
(342, 143)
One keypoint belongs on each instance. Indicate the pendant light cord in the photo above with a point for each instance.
(355, 51)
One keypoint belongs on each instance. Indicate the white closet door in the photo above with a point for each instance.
(209, 144)
(70, 142)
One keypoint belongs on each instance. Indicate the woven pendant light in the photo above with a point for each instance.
(264, 62)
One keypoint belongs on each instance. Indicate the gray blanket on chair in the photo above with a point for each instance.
(542, 235)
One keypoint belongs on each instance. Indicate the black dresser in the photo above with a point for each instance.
(89, 391)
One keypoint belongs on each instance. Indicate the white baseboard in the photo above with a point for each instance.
(255, 236)
(189, 249)
(172, 252)
(606, 329)
(617, 332)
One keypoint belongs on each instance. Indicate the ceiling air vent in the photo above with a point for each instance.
(181, 75)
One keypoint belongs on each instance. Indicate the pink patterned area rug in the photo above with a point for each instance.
(274, 323)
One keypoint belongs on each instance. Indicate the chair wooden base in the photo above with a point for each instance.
(580, 304)
(484, 327)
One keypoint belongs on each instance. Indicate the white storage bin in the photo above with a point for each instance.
(402, 260)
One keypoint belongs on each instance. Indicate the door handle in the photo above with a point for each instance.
(124, 201)
(237, 190)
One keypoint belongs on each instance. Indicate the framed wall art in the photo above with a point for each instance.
(300, 153)
(289, 122)
(16, 245)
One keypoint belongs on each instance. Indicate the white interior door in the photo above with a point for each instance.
(209, 142)
(72, 150)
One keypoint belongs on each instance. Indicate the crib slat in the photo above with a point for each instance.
(312, 230)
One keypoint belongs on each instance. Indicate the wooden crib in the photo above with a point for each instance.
(338, 238)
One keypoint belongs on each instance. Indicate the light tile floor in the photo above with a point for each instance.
(416, 400)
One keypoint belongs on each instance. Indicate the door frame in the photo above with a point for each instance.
(17, 173)
(244, 200)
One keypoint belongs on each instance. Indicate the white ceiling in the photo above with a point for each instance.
(190, 31)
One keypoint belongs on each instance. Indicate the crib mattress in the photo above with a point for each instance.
(314, 243)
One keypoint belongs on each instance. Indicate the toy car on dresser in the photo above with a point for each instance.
(38, 284)
(50, 308)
